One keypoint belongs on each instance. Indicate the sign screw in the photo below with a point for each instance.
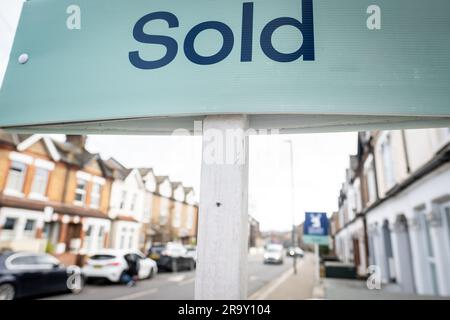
(23, 58)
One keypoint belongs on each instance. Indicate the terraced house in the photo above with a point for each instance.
(58, 197)
(54, 196)
(405, 210)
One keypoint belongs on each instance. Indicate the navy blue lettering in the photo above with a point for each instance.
(247, 32)
(227, 46)
(170, 43)
(306, 27)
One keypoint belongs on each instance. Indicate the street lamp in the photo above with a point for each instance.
(294, 236)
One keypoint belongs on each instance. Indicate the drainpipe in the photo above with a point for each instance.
(405, 151)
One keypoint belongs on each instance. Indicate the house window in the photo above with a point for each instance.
(101, 237)
(16, 177)
(130, 239)
(357, 188)
(133, 202)
(176, 223)
(388, 163)
(190, 218)
(29, 229)
(122, 238)
(96, 195)
(80, 192)
(9, 224)
(123, 199)
(164, 211)
(7, 232)
(370, 180)
(87, 238)
(39, 186)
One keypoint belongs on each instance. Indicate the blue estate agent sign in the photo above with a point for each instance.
(84, 60)
(316, 228)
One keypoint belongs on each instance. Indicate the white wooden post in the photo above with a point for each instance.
(222, 246)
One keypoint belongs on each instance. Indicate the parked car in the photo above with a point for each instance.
(111, 264)
(172, 257)
(192, 252)
(273, 254)
(295, 251)
(24, 274)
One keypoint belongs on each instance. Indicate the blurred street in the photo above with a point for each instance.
(178, 286)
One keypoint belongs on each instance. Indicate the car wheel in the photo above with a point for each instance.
(7, 291)
(191, 266)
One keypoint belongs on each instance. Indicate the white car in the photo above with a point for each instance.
(273, 254)
(111, 264)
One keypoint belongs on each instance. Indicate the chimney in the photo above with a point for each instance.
(77, 140)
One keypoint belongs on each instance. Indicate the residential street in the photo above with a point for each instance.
(178, 285)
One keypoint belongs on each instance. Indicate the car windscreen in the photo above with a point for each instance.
(102, 257)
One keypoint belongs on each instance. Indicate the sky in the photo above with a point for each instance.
(320, 160)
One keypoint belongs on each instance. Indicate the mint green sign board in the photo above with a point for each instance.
(119, 59)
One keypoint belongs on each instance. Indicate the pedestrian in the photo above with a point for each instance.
(131, 274)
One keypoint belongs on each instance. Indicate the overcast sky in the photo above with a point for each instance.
(320, 160)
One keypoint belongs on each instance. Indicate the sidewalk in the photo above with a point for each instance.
(301, 286)
(290, 286)
(340, 289)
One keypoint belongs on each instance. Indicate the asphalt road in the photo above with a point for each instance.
(176, 286)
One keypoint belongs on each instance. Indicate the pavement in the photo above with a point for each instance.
(175, 286)
(290, 286)
(342, 289)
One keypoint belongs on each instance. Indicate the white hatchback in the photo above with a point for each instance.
(111, 264)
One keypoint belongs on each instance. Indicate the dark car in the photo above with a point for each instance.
(28, 274)
(172, 257)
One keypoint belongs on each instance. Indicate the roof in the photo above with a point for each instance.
(12, 138)
(145, 171)
(160, 179)
(176, 184)
(68, 152)
(119, 171)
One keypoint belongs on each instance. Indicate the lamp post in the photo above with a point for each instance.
(294, 235)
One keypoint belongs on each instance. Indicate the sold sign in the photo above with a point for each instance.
(84, 60)
(306, 27)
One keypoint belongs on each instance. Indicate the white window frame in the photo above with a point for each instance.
(96, 195)
(83, 193)
(9, 234)
(369, 173)
(388, 160)
(11, 191)
(176, 222)
(39, 195)
(164, 210)
(190, 217)
(357, 189)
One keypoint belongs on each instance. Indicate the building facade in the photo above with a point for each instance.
(57, 197)
(407, 221)
(54, 196)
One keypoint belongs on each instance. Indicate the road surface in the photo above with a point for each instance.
(176, 286)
